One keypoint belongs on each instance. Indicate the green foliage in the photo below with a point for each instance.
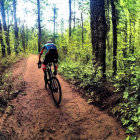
(76, 61)
(81, 74)
(128, 75)
(131, 138)
(7, 75)
(9, 60)
(129, 110)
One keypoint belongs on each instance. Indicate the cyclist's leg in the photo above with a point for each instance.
(44, 70)
(55, 68)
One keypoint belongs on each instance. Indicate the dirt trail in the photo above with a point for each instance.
(36, 118)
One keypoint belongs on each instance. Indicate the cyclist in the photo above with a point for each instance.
(51, 55)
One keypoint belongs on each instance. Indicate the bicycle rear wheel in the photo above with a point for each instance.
(56, 90)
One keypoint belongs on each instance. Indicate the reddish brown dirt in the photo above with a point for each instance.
(36, 117)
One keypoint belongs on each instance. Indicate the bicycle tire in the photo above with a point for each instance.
(55, 85)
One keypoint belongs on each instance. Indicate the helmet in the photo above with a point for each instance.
(49, 41)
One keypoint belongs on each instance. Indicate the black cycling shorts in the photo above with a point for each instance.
(51, 56)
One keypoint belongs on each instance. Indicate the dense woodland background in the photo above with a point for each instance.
(99, 50)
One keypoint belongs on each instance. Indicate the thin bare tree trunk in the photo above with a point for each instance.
(82, 23)
(82, 28)
(54, 24)
(39, 26)
(1, 41)
(23, 37)
(69, 18)
(8, 33)
(131, 44)
(114, 37)
(15, 28)
(74, 20)
(5, 25)
(125, 40)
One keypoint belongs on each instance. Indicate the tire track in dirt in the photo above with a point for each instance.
(36, 117)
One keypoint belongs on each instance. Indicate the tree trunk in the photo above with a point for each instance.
(69, 18)
(26, 31)
(8, 33)
(39, 26)
(114, 37)
(125, 40)
(26, 38)
(15, 28)
(82, 23)
(1, 41)
(98, 32)
(23, 37)
(54, 24)
(131, 44)
(74, 20)
(5, 25)
(108, 24)
(93, 25)
(62, 27)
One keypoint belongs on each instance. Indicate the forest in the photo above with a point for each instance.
(98, 44)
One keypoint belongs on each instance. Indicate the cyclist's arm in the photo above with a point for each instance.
(41, 53)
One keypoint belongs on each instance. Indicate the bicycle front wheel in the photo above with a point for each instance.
(56, 90)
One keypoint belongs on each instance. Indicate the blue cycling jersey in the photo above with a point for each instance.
(49, 46)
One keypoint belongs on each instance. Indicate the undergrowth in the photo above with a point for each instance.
(7, 61)
(127, 110)
(81, 74)
(7, 89)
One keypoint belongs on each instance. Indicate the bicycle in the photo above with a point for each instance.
(53, 83)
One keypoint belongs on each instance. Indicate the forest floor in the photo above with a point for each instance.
(32, 115)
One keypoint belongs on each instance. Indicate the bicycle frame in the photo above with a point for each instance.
(53, 84)
(48, 69)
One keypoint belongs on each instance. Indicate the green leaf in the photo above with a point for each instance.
(133, 138)
(128, 138)
(135, 118)
(138, 110)
(131, 128)
(125, 96)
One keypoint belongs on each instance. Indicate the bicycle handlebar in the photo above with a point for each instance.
(39, 64)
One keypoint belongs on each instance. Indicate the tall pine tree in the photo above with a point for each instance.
(98, 32)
